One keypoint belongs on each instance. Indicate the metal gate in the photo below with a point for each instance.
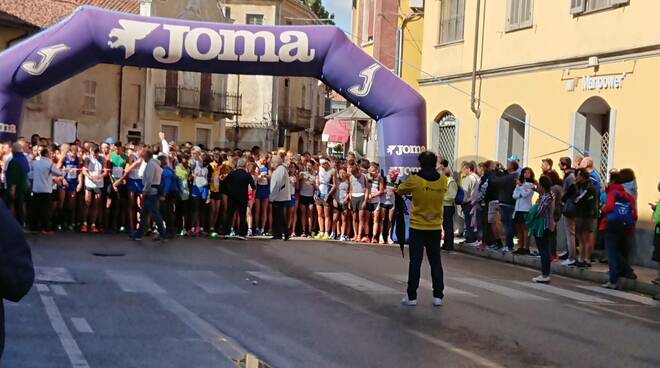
(603, 165)
(445, 142)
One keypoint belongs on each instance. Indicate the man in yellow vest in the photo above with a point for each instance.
(428, 190)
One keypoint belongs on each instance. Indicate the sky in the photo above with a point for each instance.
(342, 10)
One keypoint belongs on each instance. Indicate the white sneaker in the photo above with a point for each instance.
(409, 303)
(437, 302)
(609, 285)
(541, 279)
(568, 262)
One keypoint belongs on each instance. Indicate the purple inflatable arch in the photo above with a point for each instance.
(91, 36)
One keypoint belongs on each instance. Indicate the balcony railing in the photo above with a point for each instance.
(193, 99)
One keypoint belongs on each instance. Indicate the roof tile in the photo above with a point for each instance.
(43, 13)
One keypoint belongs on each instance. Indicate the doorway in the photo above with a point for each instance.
(592, 125)
(511, 134)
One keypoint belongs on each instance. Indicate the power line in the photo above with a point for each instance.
(436, 78)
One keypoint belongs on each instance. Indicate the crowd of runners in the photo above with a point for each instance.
(191, 191)
(96, 188)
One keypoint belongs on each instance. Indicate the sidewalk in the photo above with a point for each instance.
(597, 273)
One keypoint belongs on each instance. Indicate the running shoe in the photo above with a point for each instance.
(84, 229)
(541, 279)
(214, 234)
(95, 230)
(183, 233)
(249, 232)
(408, 303)
(232, 233)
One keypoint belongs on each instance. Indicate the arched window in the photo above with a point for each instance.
(444, 136)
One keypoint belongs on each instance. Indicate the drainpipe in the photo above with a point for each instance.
(119, 104)
(473, 100)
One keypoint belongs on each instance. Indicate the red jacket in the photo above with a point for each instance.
(615, 191)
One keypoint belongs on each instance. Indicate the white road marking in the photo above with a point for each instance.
(69, 344)
(623, 295)
(498, 289)
(426, 284)
(204, 329)
(276, 278)
(59, 290)
(580, 297)
(358, 283)
(134, 282)
(42, 288)
(81, 325)
(211, 282)
(627, 315)
(53, 274)
(476, 358)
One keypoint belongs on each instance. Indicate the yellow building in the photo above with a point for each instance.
(553, 78)
(391, 31)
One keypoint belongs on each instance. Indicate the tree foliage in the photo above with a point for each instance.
(320, 10)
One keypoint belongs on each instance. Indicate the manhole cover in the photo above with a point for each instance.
(108, 254)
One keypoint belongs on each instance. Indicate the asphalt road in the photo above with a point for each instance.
(227, 303)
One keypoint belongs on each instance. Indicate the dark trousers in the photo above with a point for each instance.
(448, 227)
(615, 244)
(241, 207)
(429, 240)
(150, 208)
(543, 243)
(506, 214)
(17, 206)
(2, 328)
(167, 208)
(280, 223)
(183, 214)
(470, 234)
(42, 204)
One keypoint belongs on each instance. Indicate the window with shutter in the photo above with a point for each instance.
(519, 14)
(586, 6)
(452, 21)
(577, 6)
(89, 97)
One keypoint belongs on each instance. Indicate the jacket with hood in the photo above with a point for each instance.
(614, 192)
(428, 191)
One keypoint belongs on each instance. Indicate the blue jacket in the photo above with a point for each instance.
(169, 182)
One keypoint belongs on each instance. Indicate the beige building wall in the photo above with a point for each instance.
(534, 77)
(66, 101)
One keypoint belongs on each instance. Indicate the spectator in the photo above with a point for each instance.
(238, 184)
(585, 216)
(16, 270)
(656, 239)
(43, 170)
(17, 182)
(280, 195)
(449, 207)
(568, 209)
(523, 194)
(170, 194)
(619, 217)
(470, 185)
(427, 188)
(541, 223)
(152, 179)
(506, 184)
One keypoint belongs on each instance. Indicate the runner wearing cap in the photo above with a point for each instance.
(324, 190)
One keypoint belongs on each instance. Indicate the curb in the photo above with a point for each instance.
(568, 271)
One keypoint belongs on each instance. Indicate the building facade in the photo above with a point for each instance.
(552, 78)
(392, 32)
(104, 101)
(275, 111)
(135, 104)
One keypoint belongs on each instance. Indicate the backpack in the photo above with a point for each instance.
(460, 195)
(622, 213)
